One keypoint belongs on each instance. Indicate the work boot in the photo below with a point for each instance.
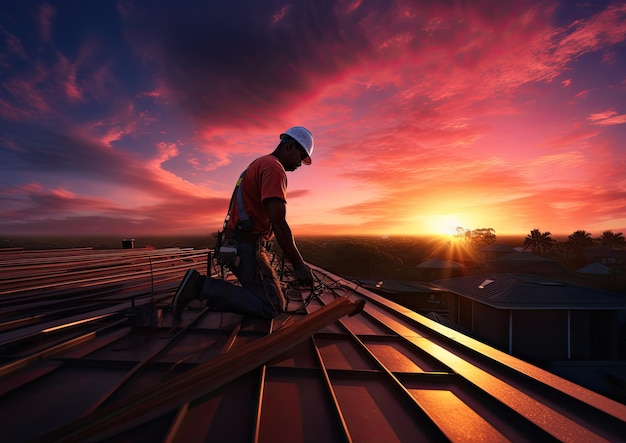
(189, 290)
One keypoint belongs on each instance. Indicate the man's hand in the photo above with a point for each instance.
(304, 275)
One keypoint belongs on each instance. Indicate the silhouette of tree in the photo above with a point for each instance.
(579, 241)
(539, 242)
(476, 238)
(613, 240)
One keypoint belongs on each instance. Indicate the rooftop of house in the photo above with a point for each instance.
(89, 350)
(523, 291)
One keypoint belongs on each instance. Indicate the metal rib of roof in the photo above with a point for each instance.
(75, 349)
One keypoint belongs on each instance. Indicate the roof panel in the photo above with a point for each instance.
(297, 406)
(375, 412)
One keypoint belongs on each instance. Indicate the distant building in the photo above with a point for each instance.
(495, 250)
(419, 297)
(595, 268)
(606, 256)
(537, 318)
(437, 268)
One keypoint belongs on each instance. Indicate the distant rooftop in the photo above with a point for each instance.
(522, 291)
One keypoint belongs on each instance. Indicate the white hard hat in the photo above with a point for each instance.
(304, 137)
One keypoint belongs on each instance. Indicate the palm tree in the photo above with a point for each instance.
(613, 240)
(579, 241)
(539, 242)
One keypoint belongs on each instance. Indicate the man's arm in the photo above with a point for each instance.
(277, 212)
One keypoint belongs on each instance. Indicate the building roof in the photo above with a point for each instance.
(595, 268)
(522, 291)
(89, 349)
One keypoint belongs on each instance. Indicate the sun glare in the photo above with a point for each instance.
(443, 224)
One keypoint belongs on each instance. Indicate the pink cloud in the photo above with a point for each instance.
(27, 100)
(604, 29)
(572, 136)
(60, 211)
(279, 15)
(14, 44)
(607, 118)
(46, 15)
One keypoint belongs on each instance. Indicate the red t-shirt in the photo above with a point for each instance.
(265, 178)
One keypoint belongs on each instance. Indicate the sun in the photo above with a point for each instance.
(443, 224)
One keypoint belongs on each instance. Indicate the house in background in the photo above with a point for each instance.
(595, 268)
(423, 297)
(536, 318)
(495, 250)
(604, 268)
(436, 268)
(606, 256)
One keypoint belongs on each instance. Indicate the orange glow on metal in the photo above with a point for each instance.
(74, 323)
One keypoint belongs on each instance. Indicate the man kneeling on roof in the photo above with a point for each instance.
(256, 212)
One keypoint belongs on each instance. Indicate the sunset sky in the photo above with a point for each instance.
(134, 117)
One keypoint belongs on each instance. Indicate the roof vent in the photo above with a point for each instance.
(485, 283)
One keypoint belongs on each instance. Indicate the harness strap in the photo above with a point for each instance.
(245, 222)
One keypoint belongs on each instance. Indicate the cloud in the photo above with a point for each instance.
(273, 60)
(59, 211)
(607, 118)
(45, 15)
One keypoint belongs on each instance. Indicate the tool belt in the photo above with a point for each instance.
(228, 253)
(228, 248)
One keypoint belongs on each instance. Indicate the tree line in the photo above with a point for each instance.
(542, 243)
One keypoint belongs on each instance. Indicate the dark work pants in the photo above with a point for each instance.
(259, 295)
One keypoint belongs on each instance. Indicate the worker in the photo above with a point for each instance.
(256, 213)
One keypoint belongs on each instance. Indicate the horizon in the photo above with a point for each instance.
(146, 239)
(139, 116)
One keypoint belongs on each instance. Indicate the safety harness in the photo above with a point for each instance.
(245, 222)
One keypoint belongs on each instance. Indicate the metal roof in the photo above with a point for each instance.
(89, 351)
(522, 291)
(595, 268)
